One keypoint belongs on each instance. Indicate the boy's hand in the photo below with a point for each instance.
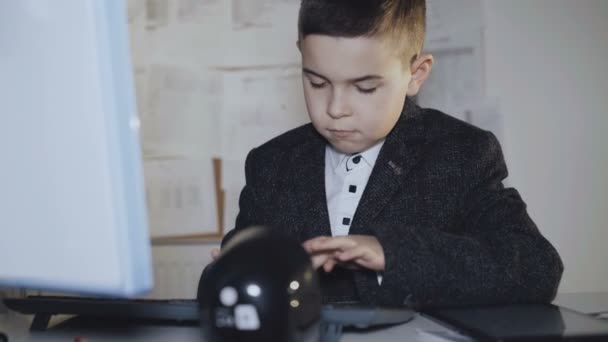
(359, 250)
(320, 258)
(215, 253)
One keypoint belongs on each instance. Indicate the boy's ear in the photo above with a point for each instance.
(421, 69)
(298, 45)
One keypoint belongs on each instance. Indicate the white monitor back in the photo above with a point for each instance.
(72, 204)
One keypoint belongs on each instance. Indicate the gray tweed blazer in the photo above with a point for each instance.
(452, 234)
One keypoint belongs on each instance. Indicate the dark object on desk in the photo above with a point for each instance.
(262, 287)
(3, 338)
(271, 275)
(334, 317)
(186, 312)
(534, 322)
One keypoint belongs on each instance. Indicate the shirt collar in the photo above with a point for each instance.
(338, 159)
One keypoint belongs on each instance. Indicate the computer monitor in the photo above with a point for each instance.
(72, 204)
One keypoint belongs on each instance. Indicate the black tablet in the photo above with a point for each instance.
(537, 322)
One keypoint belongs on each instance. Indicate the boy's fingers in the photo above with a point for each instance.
(351, 254)
(363, 257)
(328, 266)
(318, 260)
(308, 244)
(215, 253)
(371, 261)
(340, 242)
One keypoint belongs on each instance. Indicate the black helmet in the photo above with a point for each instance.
(261, 288)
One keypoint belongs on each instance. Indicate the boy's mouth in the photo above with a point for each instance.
(341, 133)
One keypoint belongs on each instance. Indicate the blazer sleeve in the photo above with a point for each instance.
(500, 256)
(249, 204)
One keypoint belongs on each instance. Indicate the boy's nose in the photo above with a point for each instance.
(337, 106)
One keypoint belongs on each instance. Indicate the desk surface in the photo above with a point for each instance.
(585, 302)
(17, 330)
(16, 327)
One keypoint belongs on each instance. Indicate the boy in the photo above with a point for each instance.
(395, 204)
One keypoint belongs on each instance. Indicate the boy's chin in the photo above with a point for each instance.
(347, 147)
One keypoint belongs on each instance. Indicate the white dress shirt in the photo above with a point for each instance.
(346, 177)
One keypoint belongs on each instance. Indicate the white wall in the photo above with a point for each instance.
(546, 60)
(177, 269)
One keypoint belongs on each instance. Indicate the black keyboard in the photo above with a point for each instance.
(175, 310)
(360, 316)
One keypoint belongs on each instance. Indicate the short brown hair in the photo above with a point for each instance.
(403, 21)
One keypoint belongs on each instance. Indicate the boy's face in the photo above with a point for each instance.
(354, 89)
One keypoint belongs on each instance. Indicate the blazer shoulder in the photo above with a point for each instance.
(442, 127)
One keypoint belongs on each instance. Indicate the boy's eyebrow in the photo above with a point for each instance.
(354, 80)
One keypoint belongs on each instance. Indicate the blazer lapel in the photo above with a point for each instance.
(399, 154)
(308, 202)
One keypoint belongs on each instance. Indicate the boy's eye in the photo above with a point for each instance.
(317, 85)
(366, 90)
